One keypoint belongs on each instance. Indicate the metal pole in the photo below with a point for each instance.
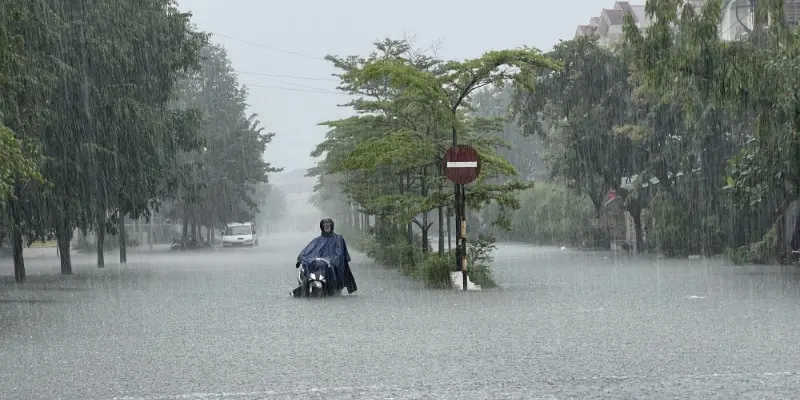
(463, 238)
(460, 226)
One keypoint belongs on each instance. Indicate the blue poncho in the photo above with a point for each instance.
(332, 247)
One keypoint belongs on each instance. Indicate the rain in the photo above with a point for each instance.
(245, 200)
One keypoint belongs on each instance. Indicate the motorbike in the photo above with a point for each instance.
(190, 244)
(314, 279)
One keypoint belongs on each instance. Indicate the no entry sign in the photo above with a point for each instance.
(462, 164)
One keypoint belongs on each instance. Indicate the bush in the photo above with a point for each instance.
(549, 214)
(432, 268)
(436, 270)
(760, 252)
(670, 221)
(679, 228)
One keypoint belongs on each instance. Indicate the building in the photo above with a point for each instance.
(735, 21)
(608, 26)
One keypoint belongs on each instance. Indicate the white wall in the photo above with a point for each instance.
(730, 28)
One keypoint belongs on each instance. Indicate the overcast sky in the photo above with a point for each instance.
(265, 38)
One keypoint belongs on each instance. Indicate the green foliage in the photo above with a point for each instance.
(17, 163)
(432, 268)
(760, 252)
(391, 250)
(386, 162)
(738, 99)
(225, 179)
(86, 104)
(670, 219)
(549, 214)
(681, 113)
(436, 270)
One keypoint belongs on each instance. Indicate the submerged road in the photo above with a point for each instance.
(566, 325)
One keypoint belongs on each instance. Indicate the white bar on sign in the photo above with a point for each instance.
(462, 164)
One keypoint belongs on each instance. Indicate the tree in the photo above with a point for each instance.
(389, 156)
(738, 92)
(272, 204)
(524, 153)
(582, 107)
(95, 108)
(218, 182)
(16, 163)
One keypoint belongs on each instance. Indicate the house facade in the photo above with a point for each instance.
(735, 21)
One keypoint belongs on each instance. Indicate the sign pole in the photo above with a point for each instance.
(464, 257)
(457, 204)
(462, 166)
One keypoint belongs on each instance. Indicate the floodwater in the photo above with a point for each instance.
(219, 324)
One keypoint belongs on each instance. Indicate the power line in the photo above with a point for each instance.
(269, 76)
(269, 47)
(320, 91)
(302, 86)
(308, 78)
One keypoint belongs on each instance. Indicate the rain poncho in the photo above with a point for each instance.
(333, 248)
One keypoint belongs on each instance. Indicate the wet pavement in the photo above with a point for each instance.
(565, 325)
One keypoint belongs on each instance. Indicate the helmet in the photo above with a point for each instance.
(325, 221)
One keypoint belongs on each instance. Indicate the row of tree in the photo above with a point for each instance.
(700, 132)
(109, 108)
(381, 169)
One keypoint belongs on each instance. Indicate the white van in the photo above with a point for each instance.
(240, 234)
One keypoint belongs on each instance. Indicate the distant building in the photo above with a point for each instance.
(608, 26)
(735, 21)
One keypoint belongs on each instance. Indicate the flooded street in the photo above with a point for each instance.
(220, 324)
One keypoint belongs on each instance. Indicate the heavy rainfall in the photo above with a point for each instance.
(631, 205)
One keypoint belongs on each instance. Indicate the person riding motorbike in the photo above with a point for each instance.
(332, 246)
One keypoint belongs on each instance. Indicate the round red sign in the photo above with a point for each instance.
(462, 164)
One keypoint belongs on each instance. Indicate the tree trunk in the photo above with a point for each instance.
(123, 251)
(194, 229)
(425, 241)
(636, 214)
(781, 253)
(19, 261)
(185, 230)
(410, 232)
(16, 237)
(441, 229)
(449, 238)
(64, 237)
(150, 237)
(208, 234)
(101, 239)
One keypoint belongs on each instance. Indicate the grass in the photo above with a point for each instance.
(51, 243)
